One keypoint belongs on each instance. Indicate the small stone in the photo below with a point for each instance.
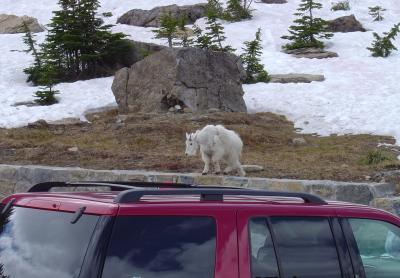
(367, 178)
(344, 165)
(178, 107)
(300, 141)
(253, 168)
(171, 109)
(213, 110)
(73, 149)
(121, 118)
(38, 124)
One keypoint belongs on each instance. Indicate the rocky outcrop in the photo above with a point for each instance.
(295, 78)
(274, 1)
(152, 18)
(196, 79)
(311, 53)
(141, 50)
(11, 24)
(346, 24)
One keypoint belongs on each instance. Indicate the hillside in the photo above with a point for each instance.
(360, 94)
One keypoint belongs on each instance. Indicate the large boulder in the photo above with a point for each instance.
(346, 24)
(11, 24)
(197, 80)
(141, 50)
(152, 18)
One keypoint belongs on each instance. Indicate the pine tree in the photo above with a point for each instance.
(376, 12)
(169, 26)
(79, 45)
(383, 46)
(308, 29)
(214, 9)
(33, 71)
(48, 78)
(251, 60)
(238, 10)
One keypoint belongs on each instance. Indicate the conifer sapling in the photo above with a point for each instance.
(169, 26)
(308, 28)
(383, 46)
(376, 12)
(251, 60)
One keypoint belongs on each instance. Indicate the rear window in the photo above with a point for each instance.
(43, 244)
(167, 246)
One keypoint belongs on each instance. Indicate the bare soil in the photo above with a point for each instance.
(157, 142)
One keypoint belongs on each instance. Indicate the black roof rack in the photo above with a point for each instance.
(114, 186)
(131, 192)
(214, 194)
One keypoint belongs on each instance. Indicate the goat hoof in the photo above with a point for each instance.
(217, 173)
(204, 173)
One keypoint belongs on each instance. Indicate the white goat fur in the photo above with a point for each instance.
(218, 144)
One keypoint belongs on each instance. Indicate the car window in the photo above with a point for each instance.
(162, 246)
(263, 258)
(379, 245)
(43, 244)
(306, 247)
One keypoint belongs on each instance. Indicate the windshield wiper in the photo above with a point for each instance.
(7, 207)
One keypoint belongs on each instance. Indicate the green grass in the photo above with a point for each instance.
(375, 157)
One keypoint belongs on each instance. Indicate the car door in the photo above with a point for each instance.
(291, 243)
(376, 246)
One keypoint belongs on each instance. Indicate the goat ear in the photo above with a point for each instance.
(195, 134)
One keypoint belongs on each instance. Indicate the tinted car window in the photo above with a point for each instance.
(379, 246)
(306, 247)
(168, 247)
(263, 258)
(43, 244)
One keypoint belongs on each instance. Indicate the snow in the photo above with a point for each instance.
(360, 94)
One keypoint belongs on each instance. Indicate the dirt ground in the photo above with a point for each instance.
(156, 142)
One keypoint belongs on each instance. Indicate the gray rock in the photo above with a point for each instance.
(152, 18)
(189, 77)
(141, 50)
(38, 124)
(12, 24)
(300, 141)
(253, 168)
(360, 194)
(296, 78)
(346, 24)
(311, 53)
(274, 1)
(73, 149)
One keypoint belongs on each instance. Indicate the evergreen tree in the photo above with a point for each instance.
(383, 46)
(48, 78)
(237, 10)
(251, 60)
(169, 27)
(78, 43)
(308, 29)
(376, 12)
(214, 9)
(33, 71)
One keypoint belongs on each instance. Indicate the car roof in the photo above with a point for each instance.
(165, 195)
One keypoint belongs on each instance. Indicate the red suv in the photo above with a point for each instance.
(140, 230)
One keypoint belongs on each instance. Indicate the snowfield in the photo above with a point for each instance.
(360, 94)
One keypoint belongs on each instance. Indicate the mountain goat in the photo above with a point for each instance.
(216, 144)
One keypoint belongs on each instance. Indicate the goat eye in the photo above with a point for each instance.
(191, 144)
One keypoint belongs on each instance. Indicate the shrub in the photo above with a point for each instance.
(375, 157)
(341, 6)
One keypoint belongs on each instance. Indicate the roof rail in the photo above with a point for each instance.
(213, 194)
(114, 186)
